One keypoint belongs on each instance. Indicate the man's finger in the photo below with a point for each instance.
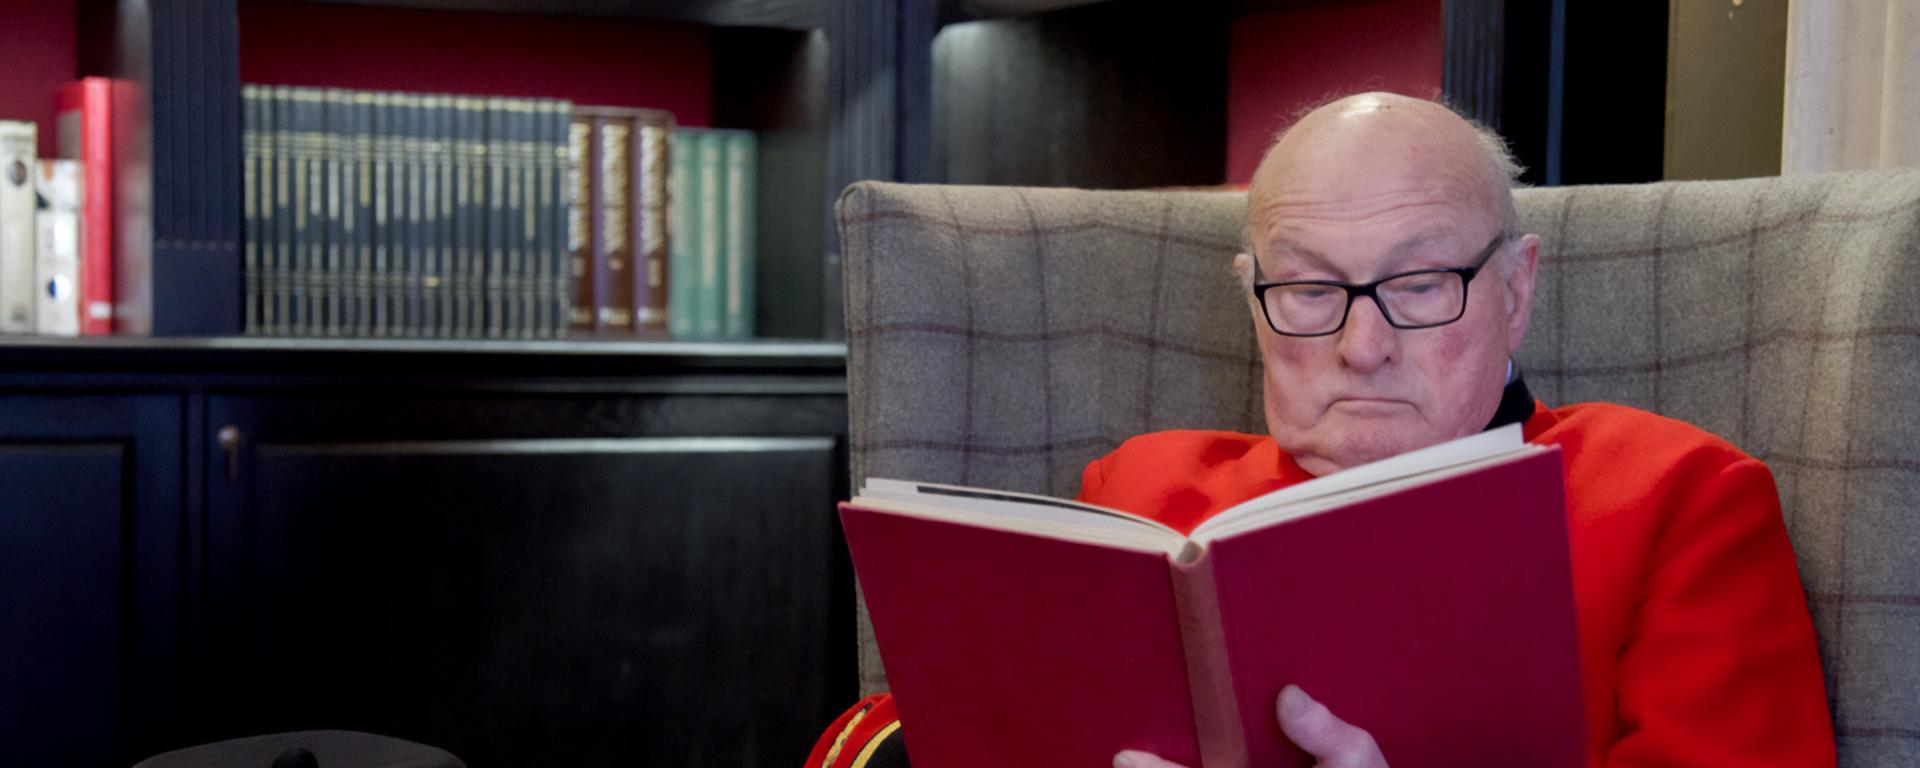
(1315, 729)
(1134, 758)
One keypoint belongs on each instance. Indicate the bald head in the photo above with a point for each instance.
(1350, 147)
(1387, 199)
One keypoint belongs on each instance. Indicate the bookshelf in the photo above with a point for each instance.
(757, 66)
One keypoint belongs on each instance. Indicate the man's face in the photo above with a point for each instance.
(1370, 390)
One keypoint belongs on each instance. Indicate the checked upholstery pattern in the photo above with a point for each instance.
(1005, 337)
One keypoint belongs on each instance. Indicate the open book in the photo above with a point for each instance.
(1426, 598)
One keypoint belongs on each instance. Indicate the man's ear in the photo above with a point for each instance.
(1520, 290)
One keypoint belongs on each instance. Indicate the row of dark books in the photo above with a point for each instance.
(408, 215)
(376, 214)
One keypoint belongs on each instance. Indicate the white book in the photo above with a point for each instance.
(57, 265)
(18, 148)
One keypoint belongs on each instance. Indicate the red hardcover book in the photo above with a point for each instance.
(1427, 598)
(86, 114)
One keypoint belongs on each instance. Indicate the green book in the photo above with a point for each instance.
(683, 264)
(742, 158)
(708, 304)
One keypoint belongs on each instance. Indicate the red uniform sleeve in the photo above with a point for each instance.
(865, 736)
(1720, 666)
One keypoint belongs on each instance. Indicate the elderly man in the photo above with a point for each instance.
(1389, 287)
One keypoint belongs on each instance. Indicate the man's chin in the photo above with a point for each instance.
(1362, 442)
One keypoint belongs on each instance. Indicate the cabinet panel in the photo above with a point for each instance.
(91, 586)
(559, 598)
(60, 591)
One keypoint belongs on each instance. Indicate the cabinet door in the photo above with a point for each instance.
(91, 514)
(544, 580)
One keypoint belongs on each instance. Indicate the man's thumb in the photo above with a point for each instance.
(1315, 729)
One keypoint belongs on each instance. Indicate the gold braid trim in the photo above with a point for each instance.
(873, 744)
(840, 742)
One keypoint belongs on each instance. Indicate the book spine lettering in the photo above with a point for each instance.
(336, 106)
(580, 202)
(299, 145)
(616, 223)
(496, 196)
(433, 272)
(414, 325)
(363, 213)
(281, 258)
(650, 223)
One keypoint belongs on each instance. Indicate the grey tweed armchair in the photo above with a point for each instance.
(1005, 337)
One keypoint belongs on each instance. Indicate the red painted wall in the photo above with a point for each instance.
(1281, 61)
(599, 62)
(40, 56)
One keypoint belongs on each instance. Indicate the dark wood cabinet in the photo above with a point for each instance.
(543, 553)
(91, 584)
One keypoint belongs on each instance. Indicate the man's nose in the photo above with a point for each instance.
(1368, 340)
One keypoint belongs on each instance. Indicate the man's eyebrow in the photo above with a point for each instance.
(1397, 252)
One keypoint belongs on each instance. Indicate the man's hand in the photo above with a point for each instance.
(1332, 741)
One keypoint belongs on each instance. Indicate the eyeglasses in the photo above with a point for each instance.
(1420, 299)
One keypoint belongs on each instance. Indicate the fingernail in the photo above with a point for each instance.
(1293, 701)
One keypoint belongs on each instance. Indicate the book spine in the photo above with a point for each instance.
(616, 224)
(496, 196)
(533, 231)
(1216, 712)
(57, 246)
(335, 106)
(250, 178)
(580, 202)
(474, 159)
(443, 229)
(84, 116)
(683, 264)
(708, 307)
(19, 142)
(516, 170)
(560, 285)
(363, 215)
(380, 229)
(413, 303)
(742, 177)
(275, 278)
(304, 180)
(650, 224)
(433, 270)
(455, 228)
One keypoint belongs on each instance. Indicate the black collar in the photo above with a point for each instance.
(1516, 403)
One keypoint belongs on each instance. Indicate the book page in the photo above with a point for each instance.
(1365, 479)
(1021, 512)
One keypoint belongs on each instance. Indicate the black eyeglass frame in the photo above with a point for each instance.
(1370, 290)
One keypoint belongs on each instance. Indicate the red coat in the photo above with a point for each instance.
(1695, 644)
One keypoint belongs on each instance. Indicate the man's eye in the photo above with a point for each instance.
(1313, 293)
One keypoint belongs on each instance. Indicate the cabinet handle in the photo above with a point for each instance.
(230, 444)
